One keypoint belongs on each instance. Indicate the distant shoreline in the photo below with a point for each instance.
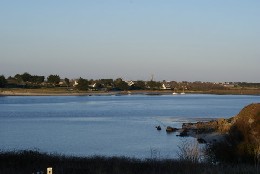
(64, 92)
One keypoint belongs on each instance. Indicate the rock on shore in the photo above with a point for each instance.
(246, 123)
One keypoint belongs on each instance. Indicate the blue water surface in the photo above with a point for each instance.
(107, 125)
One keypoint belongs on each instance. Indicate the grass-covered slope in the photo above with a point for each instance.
(245, 132)
(242, 138)
(28, 162)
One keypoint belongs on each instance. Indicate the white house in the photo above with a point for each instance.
(166, 85)
(75, 83)
(130, 83)
(93, 85)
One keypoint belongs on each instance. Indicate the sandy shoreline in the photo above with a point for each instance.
(77, 93)
(50, 94)
(64, 92)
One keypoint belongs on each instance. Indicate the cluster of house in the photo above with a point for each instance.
(94, 84)
(166, 85)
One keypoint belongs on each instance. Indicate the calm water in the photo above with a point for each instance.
(107, 125)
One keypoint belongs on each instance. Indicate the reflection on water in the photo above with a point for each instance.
(107, 125)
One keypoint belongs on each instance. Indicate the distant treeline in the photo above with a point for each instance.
(27, 80)
(246, 85)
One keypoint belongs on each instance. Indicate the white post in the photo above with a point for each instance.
(49, 170)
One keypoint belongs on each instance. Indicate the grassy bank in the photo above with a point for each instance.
(234, 91)
(64, 91)
(33, 161)
(48, 92)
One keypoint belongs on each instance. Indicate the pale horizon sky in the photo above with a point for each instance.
(192, 40)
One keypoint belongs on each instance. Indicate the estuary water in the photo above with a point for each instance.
(107, 125)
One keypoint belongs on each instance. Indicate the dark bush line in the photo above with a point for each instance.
(27, 162)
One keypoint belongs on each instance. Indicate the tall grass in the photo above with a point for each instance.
(190, 151)
(28, 162)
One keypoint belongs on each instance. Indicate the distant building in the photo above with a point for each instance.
(93, 85)
(130, 83)
(229, 85)
(75, 83)
(166, 85)
(62, 82)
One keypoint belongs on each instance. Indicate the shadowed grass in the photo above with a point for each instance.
(32, 161)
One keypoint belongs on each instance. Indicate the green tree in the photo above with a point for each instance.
(18, 77)
(107, 83)
(67, 81)
(37, 79)
(53, 79)
(3, 81)
(121, 85)
(153, 85)
(138, 85)
(83, 84)
(26, 77)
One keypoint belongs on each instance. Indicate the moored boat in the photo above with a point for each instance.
(158, 127)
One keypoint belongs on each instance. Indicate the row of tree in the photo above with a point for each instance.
(27, 80)
(3, 81)
(110, 84)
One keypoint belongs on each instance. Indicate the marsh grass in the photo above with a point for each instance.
(190, 151)
(28, 162)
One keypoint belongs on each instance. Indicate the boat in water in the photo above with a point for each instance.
(174, 93)
(182, 91)
(158, 127)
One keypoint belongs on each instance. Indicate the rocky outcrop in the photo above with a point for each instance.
(219, 125)
(170, 129)
(244, 134)
(249, 119)
(243, 127)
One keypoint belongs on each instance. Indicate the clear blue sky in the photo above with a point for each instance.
(206, 40)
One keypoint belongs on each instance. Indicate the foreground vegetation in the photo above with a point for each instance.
(242, 140)
(24, 162)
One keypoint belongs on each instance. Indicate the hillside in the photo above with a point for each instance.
(244, 134)
(236, 138)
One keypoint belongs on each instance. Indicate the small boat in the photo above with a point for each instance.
(183, 91)
(158, 127)
(174, 93)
